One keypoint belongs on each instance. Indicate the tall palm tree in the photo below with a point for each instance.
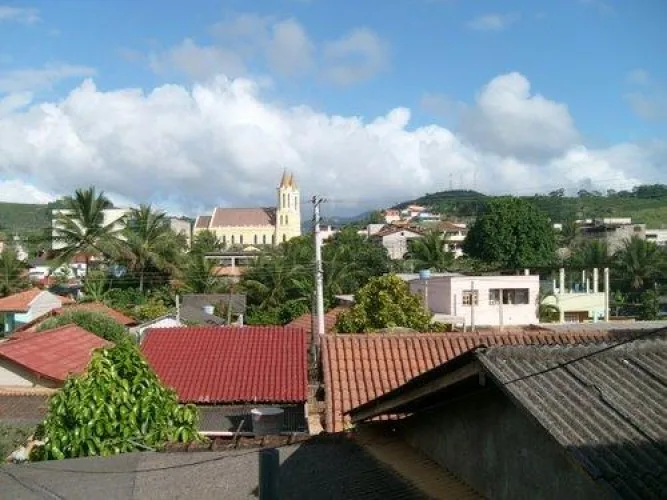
(80, 227)
(640, 263)
(150, 243)
(591, 254)
(12, 278)
(428, 252)
(199, 276)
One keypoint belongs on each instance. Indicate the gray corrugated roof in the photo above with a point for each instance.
(199, 300)
(197, 315)
(322, 470)
(608, 410)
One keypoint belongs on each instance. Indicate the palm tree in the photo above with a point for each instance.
(200, 277)
(640, 263)
(80, 227)
(429, 252)
(547, 312)
(591, 254)
(150, 243)
(12, 278)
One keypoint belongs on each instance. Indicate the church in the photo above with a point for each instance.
(257, 226)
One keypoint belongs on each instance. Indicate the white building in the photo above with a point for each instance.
(657, 236)
(481, 300)
(454, 235)
(582, 301)
(395, 240)
(111, 216)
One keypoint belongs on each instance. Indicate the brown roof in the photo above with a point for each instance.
(361, 367)
(202, 221)
(19, 302)
(230, 271)
(305, 321)
(225, 217)
(450, 226)
(393, 228)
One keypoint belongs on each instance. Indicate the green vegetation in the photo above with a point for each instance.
(118, 406)
(512, 233)
(12, 436)
(97, 323)
(428, 252)
(386, 302)
(12, 279)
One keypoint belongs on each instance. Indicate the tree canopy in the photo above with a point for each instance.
(98, 323)
(512, 233)
(117, 406)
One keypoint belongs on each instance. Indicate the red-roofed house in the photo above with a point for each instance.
(24, 307)
(360, 367)
(305, 321)
(46, 359)
(228, 371)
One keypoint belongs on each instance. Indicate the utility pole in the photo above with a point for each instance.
(319, 274)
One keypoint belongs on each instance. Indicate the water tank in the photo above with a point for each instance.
(209, 309)
(424, 274)
(267, 421)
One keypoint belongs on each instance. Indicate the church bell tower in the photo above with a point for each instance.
(288, 212)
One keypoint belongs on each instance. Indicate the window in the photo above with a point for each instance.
(241, 239)
(264, 239)
(511, 296)
(224, 240)
(232, 239)
(289, 202)
(254, 240)
(469, 296)
(286, 220)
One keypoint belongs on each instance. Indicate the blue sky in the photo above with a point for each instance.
(599, 65)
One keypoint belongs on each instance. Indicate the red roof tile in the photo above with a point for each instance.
(361, 367)
(19, 302)
(53, 354)
(230, 364)
(202, 221)
(305, 321)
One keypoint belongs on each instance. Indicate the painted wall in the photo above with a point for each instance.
(446, 296)
(12, 375)
(397, 243)
(42, 304)
(244, 235)
(494, 447)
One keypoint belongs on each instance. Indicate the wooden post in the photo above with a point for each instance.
(269, 469)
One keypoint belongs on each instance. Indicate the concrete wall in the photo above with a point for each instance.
(397, 243)
(498, 450)
(13, 375)
(445, 296)
(45, 302)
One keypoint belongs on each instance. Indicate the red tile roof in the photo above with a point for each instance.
(208, 364)
(202, 221)
(305, 321)
(53, 354)
(224, 217)
(361, 367)
(395, 228)
(19, 302)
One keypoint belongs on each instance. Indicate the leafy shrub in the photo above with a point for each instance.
(118, 406)
(151, 309)
(98, 323)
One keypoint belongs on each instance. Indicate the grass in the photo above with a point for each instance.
(12, 436)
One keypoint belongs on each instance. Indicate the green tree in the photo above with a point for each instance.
(547, 310)
(81, 228)
(428, 252)
(385, 302)
(96, 286)
(98, 323)
(12, 273)
(150, 244)
(205, 242)
(591, 254)
(151, 309)
(199, 276)
(512, 233)
(649, 305)
(640, 263)
(117, 406)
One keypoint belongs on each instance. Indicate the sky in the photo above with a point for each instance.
(191, 105)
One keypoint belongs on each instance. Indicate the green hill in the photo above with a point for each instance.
(23, 217)
(644, 204)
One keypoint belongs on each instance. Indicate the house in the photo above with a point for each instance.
(45, 359)
(481, 300)
(96, 307)
(24, 307)
(182, 226)
(228, 371)
(574, 422)
(257, 226)
(454, 235)
(581, 302)
(360, 367)
(614, 232)
(391, 215)
(209, 308)
(166, 321)
(395, 239)
(305, 321)
(657, 236)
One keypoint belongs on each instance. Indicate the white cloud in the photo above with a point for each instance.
(222, 142)
(16, 191)
(23, 15)
(290, 51)
(493, 22)
(651, 106)
(32, 79)
(508, 120)
(355, 57)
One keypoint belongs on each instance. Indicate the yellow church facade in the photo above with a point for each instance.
(257, 226)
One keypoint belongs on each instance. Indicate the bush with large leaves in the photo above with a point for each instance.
(97, 323)
(118, 406)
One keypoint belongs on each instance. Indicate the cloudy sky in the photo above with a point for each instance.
(194, 104)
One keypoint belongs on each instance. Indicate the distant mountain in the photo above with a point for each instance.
(23, 217)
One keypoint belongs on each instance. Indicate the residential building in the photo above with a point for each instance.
(212, 308)
(112, 216)
(481, 300)
(454, 235)
(427, 217)
(305, 321)
(615, 232)
(582, 301)
(228, 371)
(166, 321)
(657, 236)
(359, 367)
(182, 225)
(412, 211)
(257, 226)
(24, 307)
(45, 359)
(327, 232)
(541, 421)
(391, 215)
(395, 239)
